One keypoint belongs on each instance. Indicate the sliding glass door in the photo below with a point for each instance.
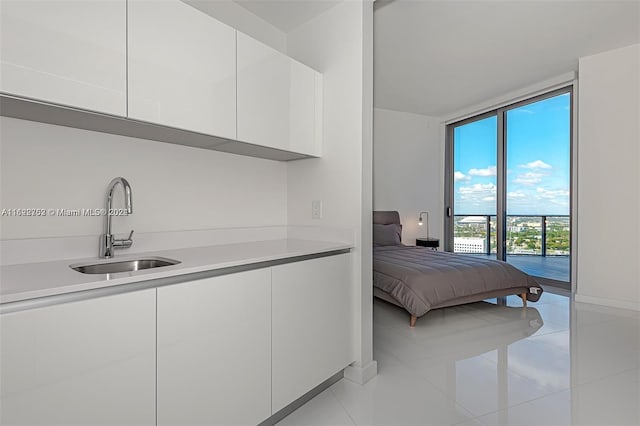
(508, 185)
(538, 141)
(475, 186)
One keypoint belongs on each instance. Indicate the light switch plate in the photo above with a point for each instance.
(316, 209)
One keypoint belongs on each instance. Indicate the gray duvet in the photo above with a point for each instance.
(421, 279)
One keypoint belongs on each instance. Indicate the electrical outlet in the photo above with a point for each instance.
(316, 209)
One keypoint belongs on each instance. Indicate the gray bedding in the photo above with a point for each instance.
(421, 279)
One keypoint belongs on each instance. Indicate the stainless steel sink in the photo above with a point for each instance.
(129, 265)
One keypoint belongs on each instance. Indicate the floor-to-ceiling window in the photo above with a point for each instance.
(508, 185)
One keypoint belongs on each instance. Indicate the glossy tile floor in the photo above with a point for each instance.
(551, 267)
(555, 362)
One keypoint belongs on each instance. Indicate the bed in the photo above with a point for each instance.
(419, 279)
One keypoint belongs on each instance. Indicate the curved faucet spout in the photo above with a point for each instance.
(107, 241)
(109, 200)
(127, 192)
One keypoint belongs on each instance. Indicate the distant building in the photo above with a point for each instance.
(469, 245)
(473, 221)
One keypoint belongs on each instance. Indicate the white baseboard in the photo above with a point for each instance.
(361, 375)
(614, 303)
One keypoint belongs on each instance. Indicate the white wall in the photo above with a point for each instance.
(338, 43)
(236, 16)
(408, 170)
(609, 178)
(174, 187)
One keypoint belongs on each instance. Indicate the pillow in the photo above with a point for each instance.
(387, 235)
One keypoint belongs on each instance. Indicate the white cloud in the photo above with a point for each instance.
(477, 196)
(538, 164)
(516, 194)
(550, 194)
(460, 177)
(559, 197)
(489, 171)
(478, 188)
(529, 178)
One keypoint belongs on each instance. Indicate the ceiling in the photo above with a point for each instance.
(287, 15)
(437, 57)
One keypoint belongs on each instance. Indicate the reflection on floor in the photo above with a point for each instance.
(551, 267)
(554, 363)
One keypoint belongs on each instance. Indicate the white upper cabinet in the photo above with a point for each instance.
(305, 110)
(65, 52)
(182, 70)
(279, 102)
(263, 94)
(161, 62)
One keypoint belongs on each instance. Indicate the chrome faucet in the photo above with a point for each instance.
(107, 241)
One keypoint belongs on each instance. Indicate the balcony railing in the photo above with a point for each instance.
(538, 235)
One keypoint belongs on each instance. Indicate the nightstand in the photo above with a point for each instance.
(433, 243)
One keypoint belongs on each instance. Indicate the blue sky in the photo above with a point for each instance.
(538, 158)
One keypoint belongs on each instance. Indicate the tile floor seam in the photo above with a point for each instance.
(435, 387)
(608, 321)
(532, 380)
(521, 403)
(447, 397)
(608, 376)
(533, 336)
(513, 405)
(468, 420)
(546, 333)
(342, 405)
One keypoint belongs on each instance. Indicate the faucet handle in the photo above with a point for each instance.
(124, 243)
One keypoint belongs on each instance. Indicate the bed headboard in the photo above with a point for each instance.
(386, 218)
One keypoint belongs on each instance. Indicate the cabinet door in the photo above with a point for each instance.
(214, 350)
(312, 325)
(277, 99)
(263, 94)
(83, 363)
(71, 52)
(305, 109)
(182, 70)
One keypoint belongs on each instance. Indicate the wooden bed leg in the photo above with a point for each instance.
(523, 296)
(412, 322)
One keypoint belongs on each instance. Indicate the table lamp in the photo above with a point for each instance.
(420, 221)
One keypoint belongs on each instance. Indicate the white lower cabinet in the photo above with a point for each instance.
(226, 350)
(214, 350)
(84, 363)
(311, 325)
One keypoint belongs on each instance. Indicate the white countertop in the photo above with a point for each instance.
(33, 280)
